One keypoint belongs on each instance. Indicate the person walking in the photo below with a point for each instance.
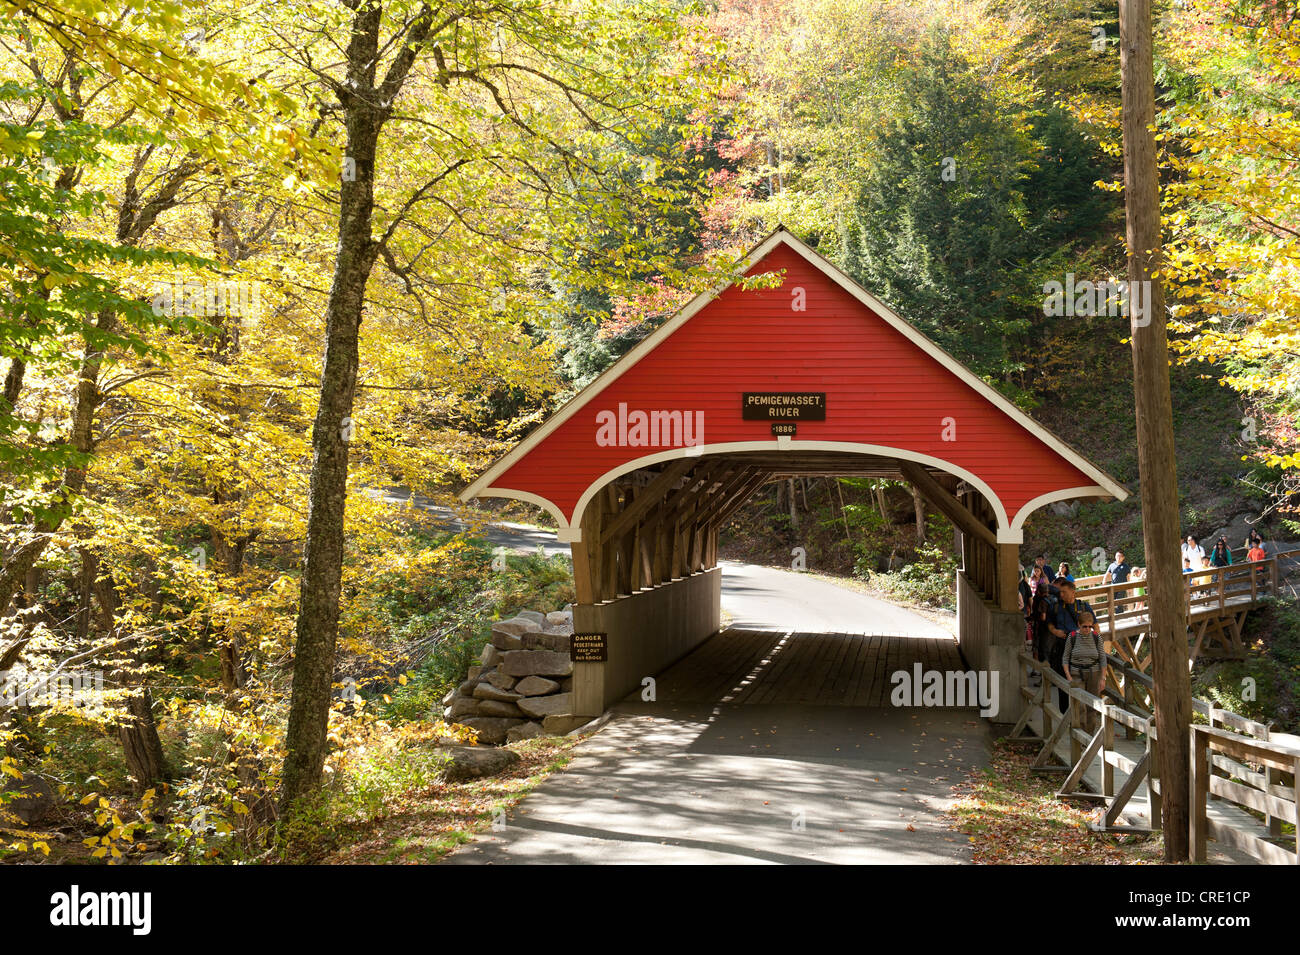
(1192, 551)
(1084, 662)
(1139, 575)
(1042, 610)
(1061, 624)
(1118, 573)
(1221, 556)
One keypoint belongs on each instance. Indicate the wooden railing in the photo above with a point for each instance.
(1085, 748)
(1209, 588)
(1261, 776)
(1238, 560)
(1216, 597)
(1233, 759)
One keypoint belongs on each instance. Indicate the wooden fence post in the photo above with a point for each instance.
(1076, 723)
(1200, 789)
(1107, 745)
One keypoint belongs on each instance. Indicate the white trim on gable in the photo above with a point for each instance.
(483, 486)
(1066, 494)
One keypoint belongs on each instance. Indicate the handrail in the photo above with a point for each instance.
(1262, 793)
(1239, 761)
(1206, 588)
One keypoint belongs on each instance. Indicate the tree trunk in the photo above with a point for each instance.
(140, 743)
(794, 508)
(89, 570)
(1155, 434)
(318, 612)
(86, 400)
(918, 505)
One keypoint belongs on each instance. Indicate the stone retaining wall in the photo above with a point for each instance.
(522, 686)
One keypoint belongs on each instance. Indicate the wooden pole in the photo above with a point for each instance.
(1155, 431)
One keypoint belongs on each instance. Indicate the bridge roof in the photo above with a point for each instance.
(891, 396)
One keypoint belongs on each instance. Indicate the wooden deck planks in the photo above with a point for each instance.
(826, 669)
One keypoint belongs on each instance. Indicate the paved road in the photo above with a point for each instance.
(748, 785)
(756, 598)
(518, 537)
(760, 598)
(718, 783)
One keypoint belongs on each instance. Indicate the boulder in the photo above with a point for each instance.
(486, 691)
(35, 802)
(490, 656)
(560, 618)
(532, 615)
(524, 731)
(559, 725)
(500, 680)
(451, 695)
(517, 625)
(566, 685)
(505, 640)
(535, 686)
(475, 762)
(536, 663)
(538, 707)
(491, 729)
(559, 642)
(467, 688)
(462, 706)
(498, 708)
(474, 672)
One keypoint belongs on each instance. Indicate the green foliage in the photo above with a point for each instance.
(438, 625)
(57, 281)
(961, 199)
(1271, 670)
(927, 580)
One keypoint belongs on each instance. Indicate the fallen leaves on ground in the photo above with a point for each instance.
(1013, 817)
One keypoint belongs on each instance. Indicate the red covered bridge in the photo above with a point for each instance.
(812, 377)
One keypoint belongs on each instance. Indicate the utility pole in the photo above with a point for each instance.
(1155, 428)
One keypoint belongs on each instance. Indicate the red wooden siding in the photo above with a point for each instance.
(881, 388)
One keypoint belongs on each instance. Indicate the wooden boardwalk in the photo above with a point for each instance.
(1137, 813)
(824, 669)
(1216, 601)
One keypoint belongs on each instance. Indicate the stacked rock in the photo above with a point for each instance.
(522, 686)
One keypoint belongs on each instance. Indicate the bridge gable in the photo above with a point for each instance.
(888, 390)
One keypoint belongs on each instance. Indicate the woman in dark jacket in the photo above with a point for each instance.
(1221, 556)
(1041, 608)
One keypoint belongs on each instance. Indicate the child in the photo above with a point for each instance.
(1205, 579)
(1139, 575)
(1084, 660)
